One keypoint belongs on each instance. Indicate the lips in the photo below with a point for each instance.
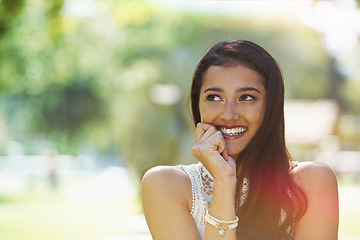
(232, 131)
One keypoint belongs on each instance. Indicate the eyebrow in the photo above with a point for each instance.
(244, 89)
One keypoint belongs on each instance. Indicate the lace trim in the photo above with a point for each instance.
(192, 188)
(207, 181)
(202, 189)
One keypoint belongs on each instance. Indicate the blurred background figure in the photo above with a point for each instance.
(105, 83)
(52, 168)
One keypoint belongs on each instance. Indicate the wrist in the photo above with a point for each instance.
(225, 189)
(223, 199)
(225, 182)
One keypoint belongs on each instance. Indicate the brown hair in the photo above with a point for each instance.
(265, 160)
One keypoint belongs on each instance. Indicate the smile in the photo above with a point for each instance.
(233, 131)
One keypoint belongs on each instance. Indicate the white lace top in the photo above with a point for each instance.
(202, 186)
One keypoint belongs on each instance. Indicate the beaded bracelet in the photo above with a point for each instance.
(216, 223)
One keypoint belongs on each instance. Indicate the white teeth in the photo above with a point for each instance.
(233, 131)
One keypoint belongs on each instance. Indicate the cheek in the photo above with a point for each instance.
(263, 108)
(258, 115)
(261, 114)
(204, 113)
(207, 113)
(201, 110)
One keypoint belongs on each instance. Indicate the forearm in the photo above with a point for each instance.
(223, 208)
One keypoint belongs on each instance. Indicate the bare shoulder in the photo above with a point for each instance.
(159, 172)
(319, 183)
(165, 178)
(309, 175)
(166, 195)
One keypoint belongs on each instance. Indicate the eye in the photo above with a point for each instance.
(213, 97)
(247, 98)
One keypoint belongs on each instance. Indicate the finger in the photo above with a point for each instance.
(225, 155)
(222, 146)
(218, 142)
(209, 142)
(209, 132)
(201, 128)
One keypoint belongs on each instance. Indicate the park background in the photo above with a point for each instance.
(94, 93)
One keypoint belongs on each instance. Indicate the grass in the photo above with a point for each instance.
(349, 196)
(46, 215)
(349, 224)
(56, 221)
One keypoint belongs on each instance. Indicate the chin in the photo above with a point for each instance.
(234, 152)
(235, 149)
(234, 155)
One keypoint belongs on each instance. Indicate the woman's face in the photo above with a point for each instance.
(233, 100)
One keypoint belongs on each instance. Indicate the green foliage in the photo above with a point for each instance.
(70, 108)
(9, 9)
(78, 80)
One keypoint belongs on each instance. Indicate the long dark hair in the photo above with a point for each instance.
(274, 202)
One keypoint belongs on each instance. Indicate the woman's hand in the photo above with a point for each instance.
(210, 150)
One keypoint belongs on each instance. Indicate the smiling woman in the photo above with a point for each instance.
(233, 100)
(246, 185)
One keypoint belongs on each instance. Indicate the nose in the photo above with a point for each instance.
(230, 112)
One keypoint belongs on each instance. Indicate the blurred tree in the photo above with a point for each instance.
(40, 71)
(75, 79)
(9, 10)
(55, 19)
(68, 109)
(154, 138)
(337, 82)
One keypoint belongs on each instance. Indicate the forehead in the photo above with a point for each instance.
(232, 77)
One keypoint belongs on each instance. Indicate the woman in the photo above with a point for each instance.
(246, 185)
